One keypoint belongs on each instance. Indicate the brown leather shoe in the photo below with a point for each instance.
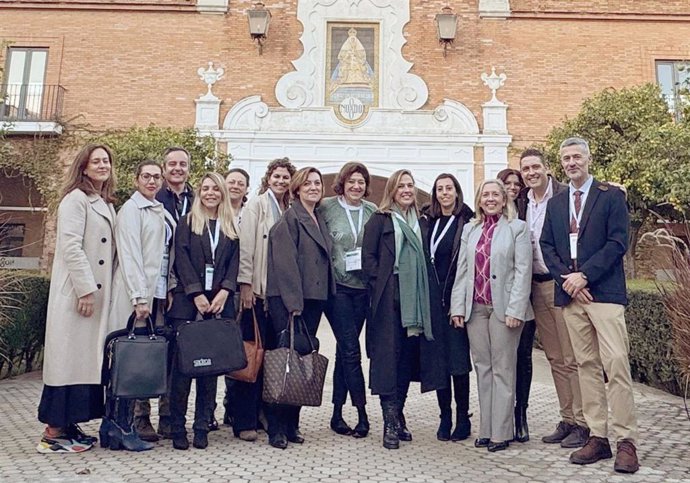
(596, 449)
(626, 458)
(562, 430)
(577, 437)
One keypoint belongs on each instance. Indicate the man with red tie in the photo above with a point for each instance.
(583, 241)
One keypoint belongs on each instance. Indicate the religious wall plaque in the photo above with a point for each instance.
(352, 69)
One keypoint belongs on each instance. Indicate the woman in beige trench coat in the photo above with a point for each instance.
(78, 304)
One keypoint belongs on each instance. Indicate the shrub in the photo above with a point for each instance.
(23, 332)
(652, 358)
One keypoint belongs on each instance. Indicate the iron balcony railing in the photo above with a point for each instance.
(31, 102)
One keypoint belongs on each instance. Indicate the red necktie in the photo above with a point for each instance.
(578, 205)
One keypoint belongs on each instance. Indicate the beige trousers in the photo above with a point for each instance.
(554, 338)
(494, 351)
(600, 342)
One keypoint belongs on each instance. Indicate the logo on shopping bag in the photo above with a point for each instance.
(202, 362)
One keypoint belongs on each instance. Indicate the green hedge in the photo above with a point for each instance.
(23, 333)
(651, 344)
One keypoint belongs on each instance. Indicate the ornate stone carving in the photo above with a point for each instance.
(304, 88)
(210, 76)
(208, 105)
(494, 82)
(494, 112)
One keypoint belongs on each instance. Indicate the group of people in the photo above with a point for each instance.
(441, 287)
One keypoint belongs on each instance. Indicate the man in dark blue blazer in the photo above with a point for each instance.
(583, 241)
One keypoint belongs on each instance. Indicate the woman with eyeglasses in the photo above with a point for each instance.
(144, 233)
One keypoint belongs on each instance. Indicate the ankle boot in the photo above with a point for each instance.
(103, 432)
(145, 429)
(390, 426)
(521, 428)
(444, 427)
(362, 428)
(463, 428)
(127, 439)
(403, 433)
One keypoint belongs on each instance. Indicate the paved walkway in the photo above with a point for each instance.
(326, 457)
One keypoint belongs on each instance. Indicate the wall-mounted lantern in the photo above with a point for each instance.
(446, 27)
(259, 20)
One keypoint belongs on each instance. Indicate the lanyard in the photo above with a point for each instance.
(275, 200)
(435, 244)
(400, 217)
(360, 223)
(214, 240)
(578, 217)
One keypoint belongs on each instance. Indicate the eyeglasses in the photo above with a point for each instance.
(146, 177)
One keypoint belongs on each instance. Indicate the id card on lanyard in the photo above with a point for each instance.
(573, 236)
(213, 239)
(434, 244)
(353, 258)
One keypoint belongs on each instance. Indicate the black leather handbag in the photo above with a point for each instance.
(291, 378)
(137, 364)
(210, 347)
(303, 342)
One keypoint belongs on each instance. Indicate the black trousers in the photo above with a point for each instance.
(404, 362)
(346, 313)
(282, 419)
(523, 381)
(244, 398)
(180, 387)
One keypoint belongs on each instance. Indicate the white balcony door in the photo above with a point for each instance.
(25, 76)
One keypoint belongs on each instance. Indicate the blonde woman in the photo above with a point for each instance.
(205, 240)
(394, 270)
(491, 297)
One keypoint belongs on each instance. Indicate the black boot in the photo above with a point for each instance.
(362, 428)
(444, 427)
(463, 428)
(403, 433)
(390, 425)
(338, 424)
(521, 428)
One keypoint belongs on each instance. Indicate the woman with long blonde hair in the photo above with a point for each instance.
(394, 269)
(206, 263)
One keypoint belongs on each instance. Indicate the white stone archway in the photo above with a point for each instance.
(391, 133)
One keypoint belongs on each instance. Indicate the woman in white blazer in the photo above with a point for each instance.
(144, 234)
(491, 295)
(78, 303)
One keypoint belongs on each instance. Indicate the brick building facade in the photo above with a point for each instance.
(126, 62)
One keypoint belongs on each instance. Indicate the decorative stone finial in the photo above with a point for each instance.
(494, 82)
(210, 76)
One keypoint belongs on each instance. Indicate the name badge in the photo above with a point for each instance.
(162, 285)
(353, 260)
(573, 246)
(208, 277)
(165, 265)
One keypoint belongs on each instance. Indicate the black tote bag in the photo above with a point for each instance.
(210, 347)
(138, 364)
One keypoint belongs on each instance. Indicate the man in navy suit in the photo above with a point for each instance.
(583, 241)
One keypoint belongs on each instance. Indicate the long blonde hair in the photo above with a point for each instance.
(388, 199)
(508, 209)
(198, 218)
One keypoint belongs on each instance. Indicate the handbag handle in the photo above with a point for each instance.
(257, 334)
(306, 332)
(130, 326)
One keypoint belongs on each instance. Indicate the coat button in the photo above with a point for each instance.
(98, 286)
(493, 276)
(103, 240)
(265, 236)
(101, 262)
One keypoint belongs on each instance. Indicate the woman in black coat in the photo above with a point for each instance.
(445, 359)
(299, 281)
(394, 270)
(206, 265)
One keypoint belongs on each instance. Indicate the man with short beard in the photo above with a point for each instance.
(572, 431)
(176, 195)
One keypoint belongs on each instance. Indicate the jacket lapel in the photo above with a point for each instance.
(310, 226)
(102, 208)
